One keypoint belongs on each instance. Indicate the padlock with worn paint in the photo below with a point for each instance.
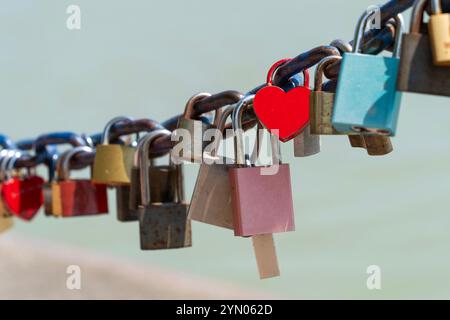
(439, 30)
(113, 162)
(417, 72)
(79, 197)
(261, 196)
(191, 131)
(367, 100)
(162, 225)
(161, 189)
(322, 103)
(375, 145)
(211, 199)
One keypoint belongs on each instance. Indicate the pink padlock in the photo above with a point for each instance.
(261, 196)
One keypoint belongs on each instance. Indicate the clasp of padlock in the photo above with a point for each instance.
(367, 100)
(162, 225)
(261, 196)
(439, 30)
(77, 197)
(191, 131)
(113, 162)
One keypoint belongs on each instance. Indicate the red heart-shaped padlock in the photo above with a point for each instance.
(285, 114)
(23, 196)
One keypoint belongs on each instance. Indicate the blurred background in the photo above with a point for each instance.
(145, 59)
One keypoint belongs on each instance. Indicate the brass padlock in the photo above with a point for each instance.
(322, 102)
(162, 225)
(113, 162)
(191, 131)
(439, 30)
(161, 188)
(211, 199)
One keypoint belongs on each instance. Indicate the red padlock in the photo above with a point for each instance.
(285, 114)
(22, 195)
(79, 197)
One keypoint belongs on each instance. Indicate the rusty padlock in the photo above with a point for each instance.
(211, 199)
(162, 225)
(113, 162)
(261, 196)
(79, 197)
(191, 131)
(417, 71)
(161, 187)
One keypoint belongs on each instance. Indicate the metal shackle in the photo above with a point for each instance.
(64, 161)
(105, 134)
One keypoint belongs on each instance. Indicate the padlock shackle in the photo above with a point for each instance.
(137, 154)
(144, 151)
(3, 159)
(436, 6)
(417, 14)
(63, 164)
(109, 124)
(239, 148)
(8, 161)
(323, 64)
(189, 111)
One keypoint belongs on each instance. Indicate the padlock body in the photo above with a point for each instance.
(357, 141)
(164, 226)
(262, 200)
(6, 220)
(113, 164)
(162, 185)
(306, 144)
(417, 71)
(193, 150)
(377, 145)
(439, 31)
(124, 213)
(367, 96)
(23, 197)
(83, 198)
(211, 199)
(322, 104)
(56, 204)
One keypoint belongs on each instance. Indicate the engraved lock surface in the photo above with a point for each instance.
(211, 199)
(162, 225)
(322, 103)
(261, 196)
(417, 71)
(161, 188)
(439, 30)
(113, 162)
(367, 100)
(78, 197)
(193, 150)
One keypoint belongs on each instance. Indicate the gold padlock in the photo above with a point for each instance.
(113, 162)
(439, 30)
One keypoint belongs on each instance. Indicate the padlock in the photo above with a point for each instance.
(322, 103)
(306, 144)
(6, 220)
(51, 188)
(417, 72)
(192, 130)
(79, 197)
(161, 188)
(367, 100)
(21, 194)
(375, 145)
(439, 30)
(211, 199)
(162, 225)
(261, 196)
(113, 162)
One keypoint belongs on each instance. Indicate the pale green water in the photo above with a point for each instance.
(145, 58)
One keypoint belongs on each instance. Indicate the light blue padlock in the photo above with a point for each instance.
(367, 100)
